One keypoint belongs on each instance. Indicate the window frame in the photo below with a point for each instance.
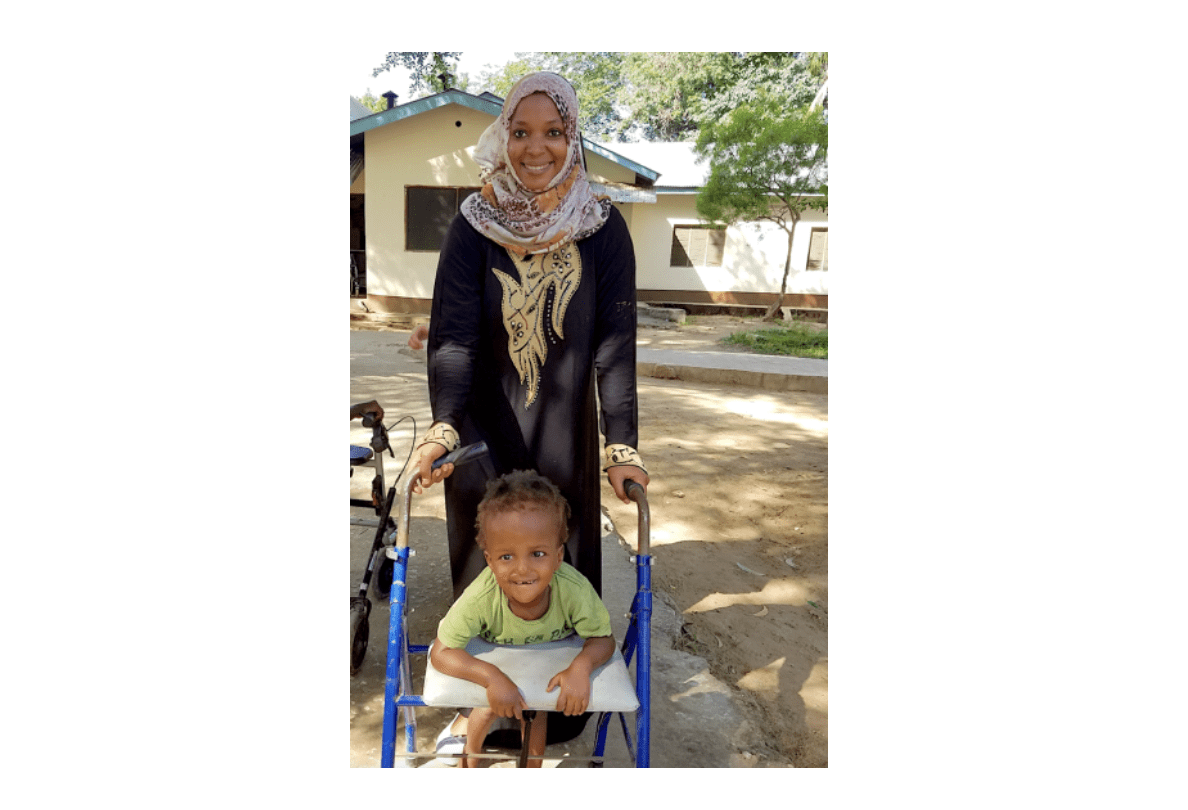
(808, 259)
(705, 252)
(460, 194)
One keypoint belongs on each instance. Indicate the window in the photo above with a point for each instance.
(818, 255)
(697, 246)
(427, 214)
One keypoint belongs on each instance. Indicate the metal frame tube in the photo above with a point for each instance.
(397, 663)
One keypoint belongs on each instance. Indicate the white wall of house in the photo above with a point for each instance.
(752, 262)
(433, 148)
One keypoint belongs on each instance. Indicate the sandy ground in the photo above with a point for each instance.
(739, 534)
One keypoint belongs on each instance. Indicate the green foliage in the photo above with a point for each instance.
(759, 150)
(501, 81)
(372, 103)
(764, 160)
(665, 96)
(666, 92)
(423, 67)
(671, 96)
(818, 64)
(796, 340)
(753, 77)
(595, 76)
(668, 96)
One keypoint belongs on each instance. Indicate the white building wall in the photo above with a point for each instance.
(433, 148)
(753, 261)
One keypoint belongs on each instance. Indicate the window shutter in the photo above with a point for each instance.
(715, 247)
(680, 252)
(697, 242)
(818, 257)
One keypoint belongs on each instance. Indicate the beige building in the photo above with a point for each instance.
(411, 167)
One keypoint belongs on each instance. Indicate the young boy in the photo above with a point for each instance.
(525, 595)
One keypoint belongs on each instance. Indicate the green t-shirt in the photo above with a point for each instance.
(482, 612)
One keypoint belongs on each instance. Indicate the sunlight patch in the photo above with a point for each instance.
(776, 592)
(765, 679)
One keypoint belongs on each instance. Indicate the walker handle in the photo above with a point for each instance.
(637, 493)
(463, 455)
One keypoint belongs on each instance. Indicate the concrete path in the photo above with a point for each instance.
(769, 372)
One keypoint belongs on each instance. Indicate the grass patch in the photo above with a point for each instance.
(795, 340)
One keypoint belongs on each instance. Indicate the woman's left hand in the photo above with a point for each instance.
(619, 476)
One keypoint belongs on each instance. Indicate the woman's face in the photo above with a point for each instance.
(536, 142)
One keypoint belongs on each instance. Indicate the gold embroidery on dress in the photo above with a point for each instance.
(524, 303)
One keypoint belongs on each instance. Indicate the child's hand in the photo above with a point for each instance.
(505, 698)
(575, 689)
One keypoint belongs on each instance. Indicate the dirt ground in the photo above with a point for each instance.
(739, 516)
(739, 502)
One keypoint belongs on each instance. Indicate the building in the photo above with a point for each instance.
(411, 167)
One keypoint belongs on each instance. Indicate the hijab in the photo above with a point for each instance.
(520, 220)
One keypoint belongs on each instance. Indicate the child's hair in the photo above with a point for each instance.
(524, 489)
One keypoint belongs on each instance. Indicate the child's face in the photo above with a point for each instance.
(523, 550)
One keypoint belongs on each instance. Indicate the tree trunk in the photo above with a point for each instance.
(774, 310)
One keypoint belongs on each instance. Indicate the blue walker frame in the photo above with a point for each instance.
(637, 642)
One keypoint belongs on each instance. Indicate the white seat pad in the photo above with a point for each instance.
(531, 667)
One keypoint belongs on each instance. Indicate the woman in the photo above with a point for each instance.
(533, 313)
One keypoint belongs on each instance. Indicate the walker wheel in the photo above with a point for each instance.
(383, 578)
(359, 630)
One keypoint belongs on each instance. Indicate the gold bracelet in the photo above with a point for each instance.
(443, 434)
(619, 455)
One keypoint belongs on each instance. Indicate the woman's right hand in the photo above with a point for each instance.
(423, 460)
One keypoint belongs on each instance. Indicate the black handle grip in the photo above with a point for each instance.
(462, 455)
(379, 434)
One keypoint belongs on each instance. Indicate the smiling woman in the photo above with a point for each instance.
(531, 347)
(537, 145)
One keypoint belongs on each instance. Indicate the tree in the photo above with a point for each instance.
(424, 69)
(595, 76)
(788, 75)
(671, 95)
(372, 103)
(501, 80)
(665, 92)
(767, 162)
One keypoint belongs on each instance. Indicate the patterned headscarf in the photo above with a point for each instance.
(509, 214)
